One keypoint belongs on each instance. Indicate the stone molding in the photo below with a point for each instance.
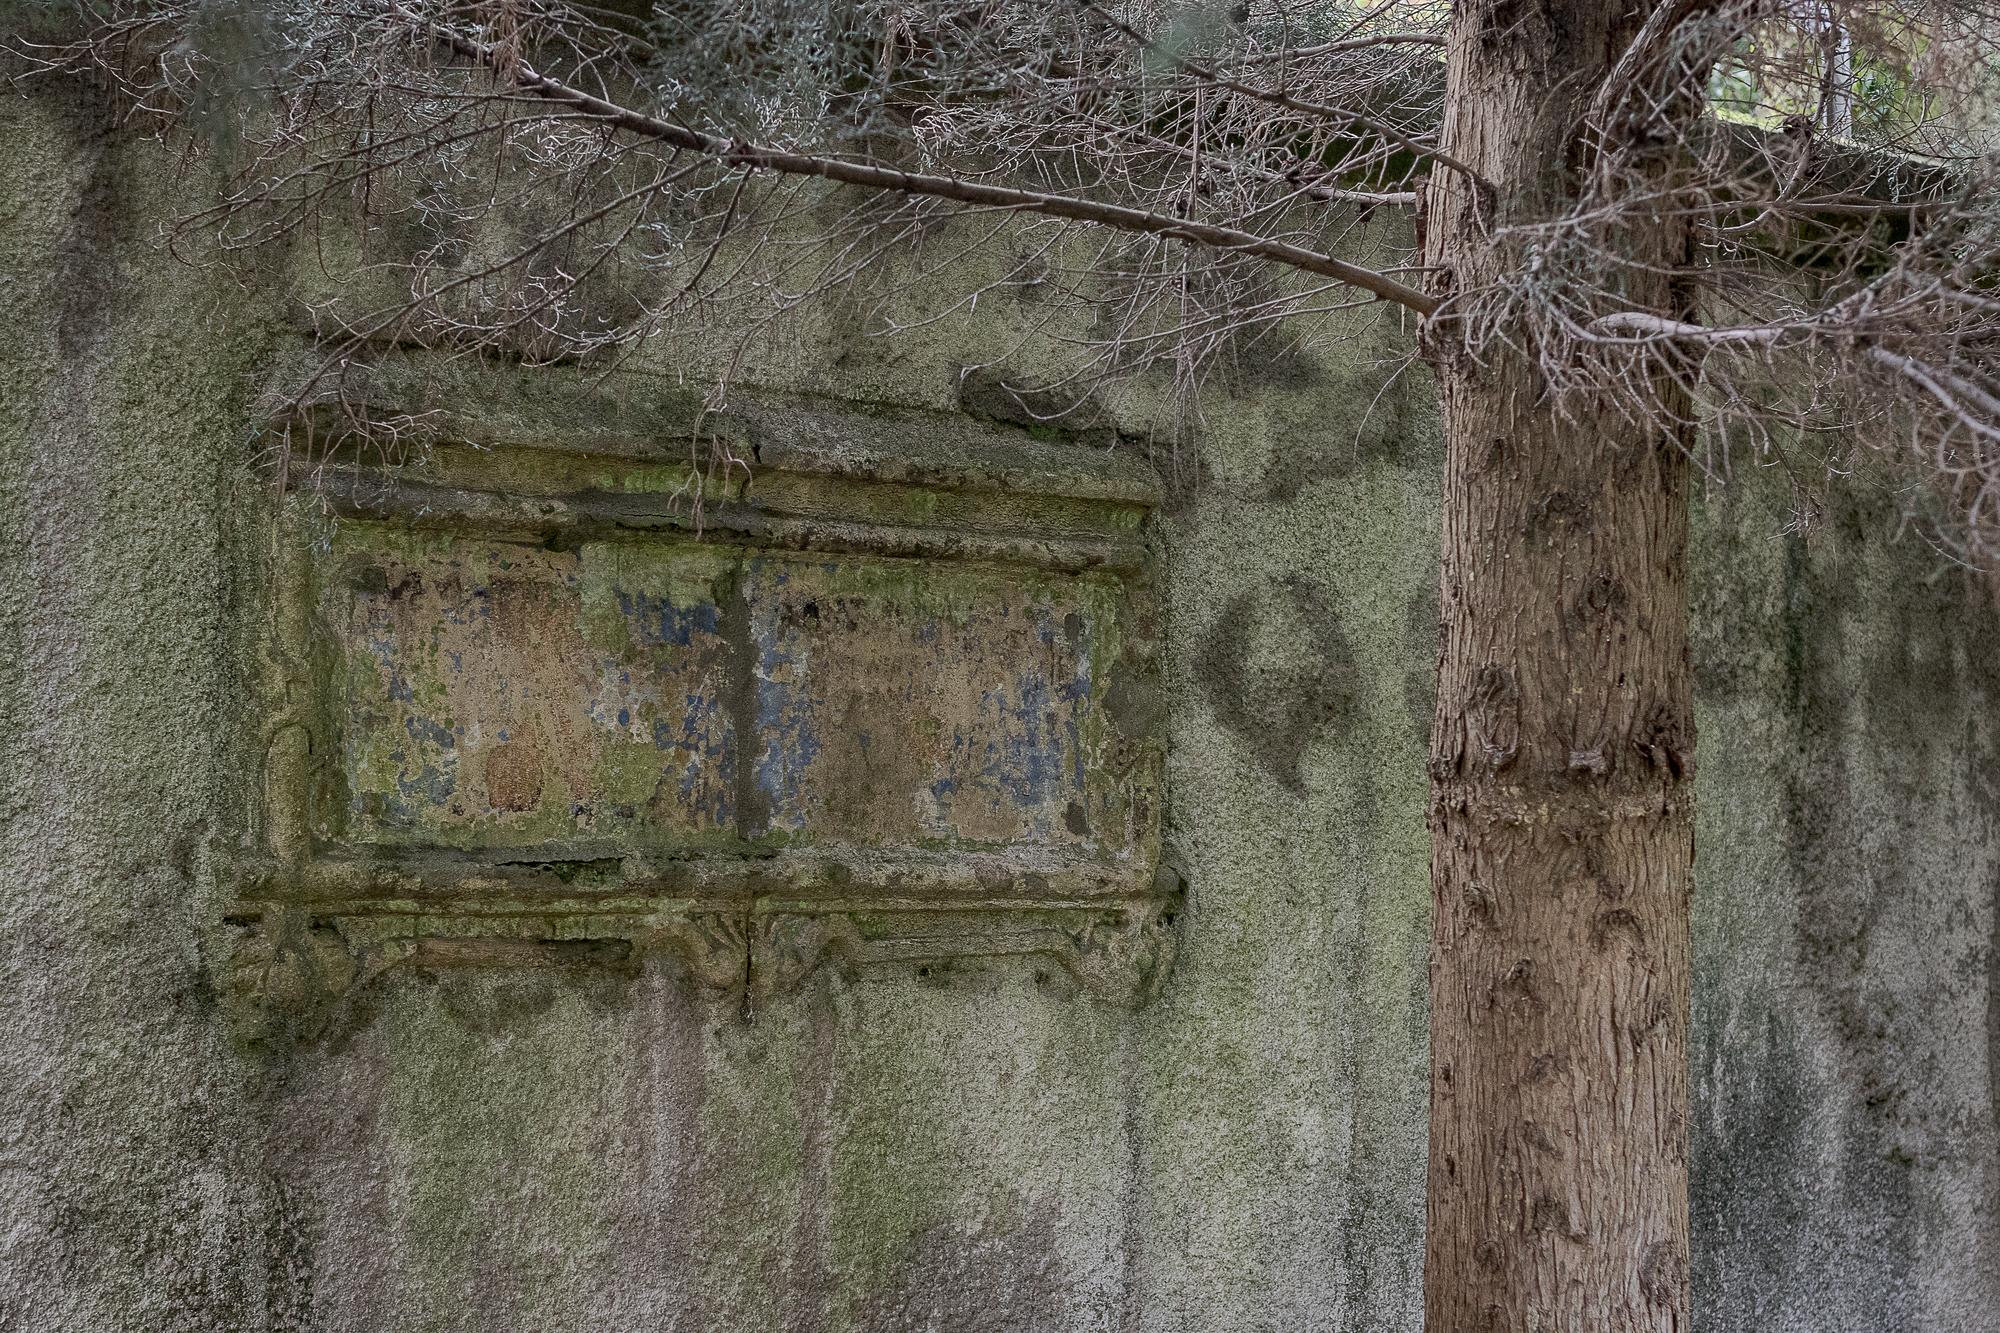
(1013, 681)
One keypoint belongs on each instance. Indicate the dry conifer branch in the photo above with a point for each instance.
(753, 157)
(1278, 98)
(1232, 159)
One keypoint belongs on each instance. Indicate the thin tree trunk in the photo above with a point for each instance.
(1561, 762)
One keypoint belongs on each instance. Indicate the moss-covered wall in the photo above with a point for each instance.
(943, 1148)
(1847, 1013)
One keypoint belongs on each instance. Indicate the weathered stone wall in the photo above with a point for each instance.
(936, 1148)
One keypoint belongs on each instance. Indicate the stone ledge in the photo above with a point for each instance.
(295, 974)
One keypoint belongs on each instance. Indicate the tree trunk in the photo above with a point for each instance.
(1562, 756)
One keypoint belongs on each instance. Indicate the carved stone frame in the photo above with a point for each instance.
(314, 925)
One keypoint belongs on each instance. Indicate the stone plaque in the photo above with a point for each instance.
(872, 705)
(671, 695)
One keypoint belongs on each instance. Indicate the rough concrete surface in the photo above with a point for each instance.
(959, 1148)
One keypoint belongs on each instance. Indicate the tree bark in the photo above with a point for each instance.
(1562, 754)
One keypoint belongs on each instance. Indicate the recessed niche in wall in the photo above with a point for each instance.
(869, 704)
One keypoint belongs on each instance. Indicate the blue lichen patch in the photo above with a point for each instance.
(901, 702)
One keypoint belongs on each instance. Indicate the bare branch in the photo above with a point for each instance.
(752, 157)
(1342, 115)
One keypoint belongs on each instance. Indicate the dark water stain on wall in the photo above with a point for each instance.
(654, 1217)
(88, 259)
(978, 1280)
(1282, 700)
(1987, 776)
(809, 1281)
(1421, 631)
(1827, 1125)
